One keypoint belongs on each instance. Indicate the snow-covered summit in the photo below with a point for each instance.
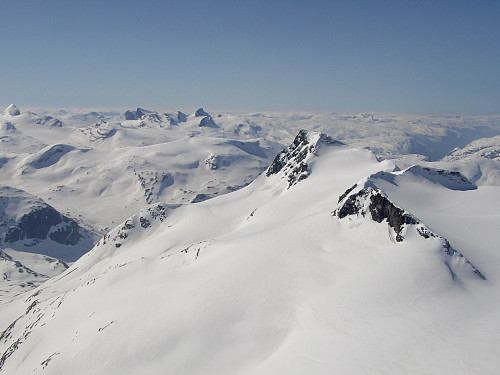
(12, 110)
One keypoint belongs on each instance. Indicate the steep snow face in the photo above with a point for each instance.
(29, 224)
(255, 282)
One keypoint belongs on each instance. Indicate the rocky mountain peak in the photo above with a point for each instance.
(369, 202)
(293, 161)
(201, 113)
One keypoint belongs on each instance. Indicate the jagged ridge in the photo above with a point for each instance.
(377, 204)
(293, 160)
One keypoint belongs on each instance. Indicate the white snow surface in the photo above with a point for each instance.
(260, 279)
(265, 280)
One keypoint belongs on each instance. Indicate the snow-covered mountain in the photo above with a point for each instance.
(488, 148)
(331, 261)
(29, 224)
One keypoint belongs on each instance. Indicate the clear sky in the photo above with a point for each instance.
(388, 56)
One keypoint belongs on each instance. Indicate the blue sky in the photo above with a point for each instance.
(346, 56)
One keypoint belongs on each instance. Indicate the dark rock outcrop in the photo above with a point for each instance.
(292, 160)
(370, 202)
(201, 113)
(29, 224)
(39, 225)
(181, 117)
(208, 122)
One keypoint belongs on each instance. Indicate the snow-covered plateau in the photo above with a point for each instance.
(200, 242)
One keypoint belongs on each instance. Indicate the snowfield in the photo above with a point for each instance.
(321, 251)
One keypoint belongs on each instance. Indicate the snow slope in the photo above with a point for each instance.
(22, 272)
(267, 280)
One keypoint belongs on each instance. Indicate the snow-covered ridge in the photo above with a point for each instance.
(293, 161)
(48, 156)
(488, 148)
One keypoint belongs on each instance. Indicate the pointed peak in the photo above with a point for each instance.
(294, 159)
(201, 113)
(12, 110)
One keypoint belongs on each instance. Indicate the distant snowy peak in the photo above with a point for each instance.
(142, 114)
(12, 110)
(488, 148)
(293, 162)
(362, 201)
(29, 224)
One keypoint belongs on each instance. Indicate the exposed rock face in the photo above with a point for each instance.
(370, 202)
(142, 114)
(201, 113)
(134, 225)
(130, 115)
(208, 122)
(214, 162)
(27, 223)
(181, 117)
(38, 225)
(380, 208)
(293, 160)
